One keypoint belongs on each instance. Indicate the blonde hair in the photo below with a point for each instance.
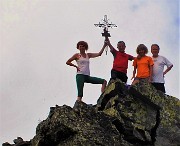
(141, 47)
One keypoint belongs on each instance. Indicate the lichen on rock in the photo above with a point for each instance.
(123, 116)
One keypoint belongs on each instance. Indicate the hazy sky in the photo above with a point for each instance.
(38, 36)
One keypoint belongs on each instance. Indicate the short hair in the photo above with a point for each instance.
(122, 42)
(141, 47)
(156, 46)
(85, 44)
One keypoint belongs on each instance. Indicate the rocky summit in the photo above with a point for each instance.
(124, 115)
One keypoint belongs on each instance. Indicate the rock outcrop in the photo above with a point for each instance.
(123, 116)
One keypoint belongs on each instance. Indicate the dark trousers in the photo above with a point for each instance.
(159, 86)
(120, 75)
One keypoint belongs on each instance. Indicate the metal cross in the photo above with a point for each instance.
(105, 24)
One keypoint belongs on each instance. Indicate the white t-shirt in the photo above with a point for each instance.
(158, 68)
(83, 64)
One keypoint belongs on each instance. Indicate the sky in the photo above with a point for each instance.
(37, 37)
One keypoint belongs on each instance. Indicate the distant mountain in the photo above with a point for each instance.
(136, 115)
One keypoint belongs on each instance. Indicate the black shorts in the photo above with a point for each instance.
(120, 75)
(159, 86)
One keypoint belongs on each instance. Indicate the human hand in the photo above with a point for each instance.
(107, 40)
(78, 69)
(105, 43)
(132, 77)
(150, 80)
(164, 74)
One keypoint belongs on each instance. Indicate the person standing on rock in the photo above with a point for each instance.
(143, 65)
(120, 63)
(158, 68)
(83, 72)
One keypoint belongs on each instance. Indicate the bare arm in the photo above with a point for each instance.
(93, 55)
(168, 69)
(134, 72)
(109, 44)
(69, 61)
(131, 58)
(151, 71)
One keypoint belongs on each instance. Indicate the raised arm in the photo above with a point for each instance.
(109, 44)
(93, 55)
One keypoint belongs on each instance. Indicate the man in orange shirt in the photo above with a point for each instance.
(143, 64)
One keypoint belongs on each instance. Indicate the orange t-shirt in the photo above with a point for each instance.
(143, 66)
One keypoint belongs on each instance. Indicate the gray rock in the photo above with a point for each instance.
(123, 116)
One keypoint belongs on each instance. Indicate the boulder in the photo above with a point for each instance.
(124, 115)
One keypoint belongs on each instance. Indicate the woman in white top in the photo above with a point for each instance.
(158, 69)
(83, 71)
